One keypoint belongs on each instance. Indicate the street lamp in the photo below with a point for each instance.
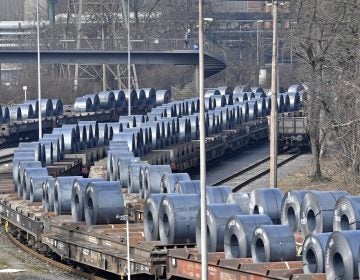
(38, 66)
(25, 89)
(126, 218)
(258, 22)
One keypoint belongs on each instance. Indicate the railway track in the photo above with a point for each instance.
(255, 171)
(52, 262)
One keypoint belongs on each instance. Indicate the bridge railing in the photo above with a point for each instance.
(153, 44)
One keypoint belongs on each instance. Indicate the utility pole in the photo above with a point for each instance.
(204, 255)
(273, 116)
(38, 66)
(78, 44)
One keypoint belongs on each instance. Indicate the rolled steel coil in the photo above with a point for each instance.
(95, 100)
(107, 100)
(27, 156)
(290, 208)
(47, 150)
(225, 90)
(1, 114)
(112, 159)
(57, 107)
(62, 194)
(78, 197)
(211, 92)
(184, 130)
(242, 199)
(150, 94)
(5, 115)
(209, 103)
(187, 187)
(169, 180)
(123, 169)
(259, 95)
(151, 217)
(194, 127)
(142, 180)
(216, 219)
(141, 96)
(60, 138)
(152, 178)
(71, 140)
(280, 103)
(35, 106)
(130, 138)
(104, 201)
(192, 106)
(237, 113)
(313, 252)
(134, 176)
(46, 107)
(130, 120)
(36, 188)
(342, 255)
(267, 201)
(245, 110)
(52, 144)
(253, 109)
(296, 88)
(272, 243)
(268, 105)
(239, 231)
(113, 127)
(218, 100)
(217, 195)
(286, 102)
(48, 191)
(347, 213)
(163, 97)
(294, 100)
(27, 111)
(21, 166)
(83, 104)
(120, 99)
(155, 133)
(30, 172)
(240, 97)
(92, 132)
(139, 119)
(103, 134)
(15, 113)
(177, 218)
(317, 211)
(257, 90)
(261, 107)
(132, 95)
(240, 88)
(118, 145)
(229, 99)
(139, 138)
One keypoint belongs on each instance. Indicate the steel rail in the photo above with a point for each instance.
(264, 161)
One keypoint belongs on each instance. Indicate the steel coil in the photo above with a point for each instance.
(286, 102)
(163, 97)
(229, 99)
(261, 107)
(35, 106)
(141, 96)
(71, 140)
(27, 111)
(104, 201)
(177, 218)
(155, 133)
(36, 188)
(103, 134)
(209, 103)
(152, 178)
(217, 195)
(30, 172)
(280, 103)
(15, 113)
(313, 252)
(268, 105)
(133, 97)
(5, 115)
(290, 208)
(47, 151)
(218, 100)
(239, 231)
(25, 156)
(107, 100)
(151, 217)
(57, 107)
(150, 94)
(78, 197)
(62, 194)
(272, 243)
(60, 138)
(317, 211)
(130, 138)
(134, 175)
(240, 97)
(46, 107)
(187, 187)
(169, 180)
(130, 120)
(294, 99)
(120, 99)
(244, 110)
(142, 180)
(242, 199)
(52, 144)
(253, 109)
(83, 104)
(123, 169)
(49, 194)
(92, 132)
(347, 213)
(22, 165)
(216, 219)
(112, 159)
(94, 100)
(342, 255)
(211, 92)
(183, 130)
(267, 201)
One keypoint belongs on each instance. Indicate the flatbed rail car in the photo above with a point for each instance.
(293, 132)
(186, 264)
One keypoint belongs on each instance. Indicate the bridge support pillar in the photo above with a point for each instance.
(195, 87)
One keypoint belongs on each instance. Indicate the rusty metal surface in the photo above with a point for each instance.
(186, 263)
